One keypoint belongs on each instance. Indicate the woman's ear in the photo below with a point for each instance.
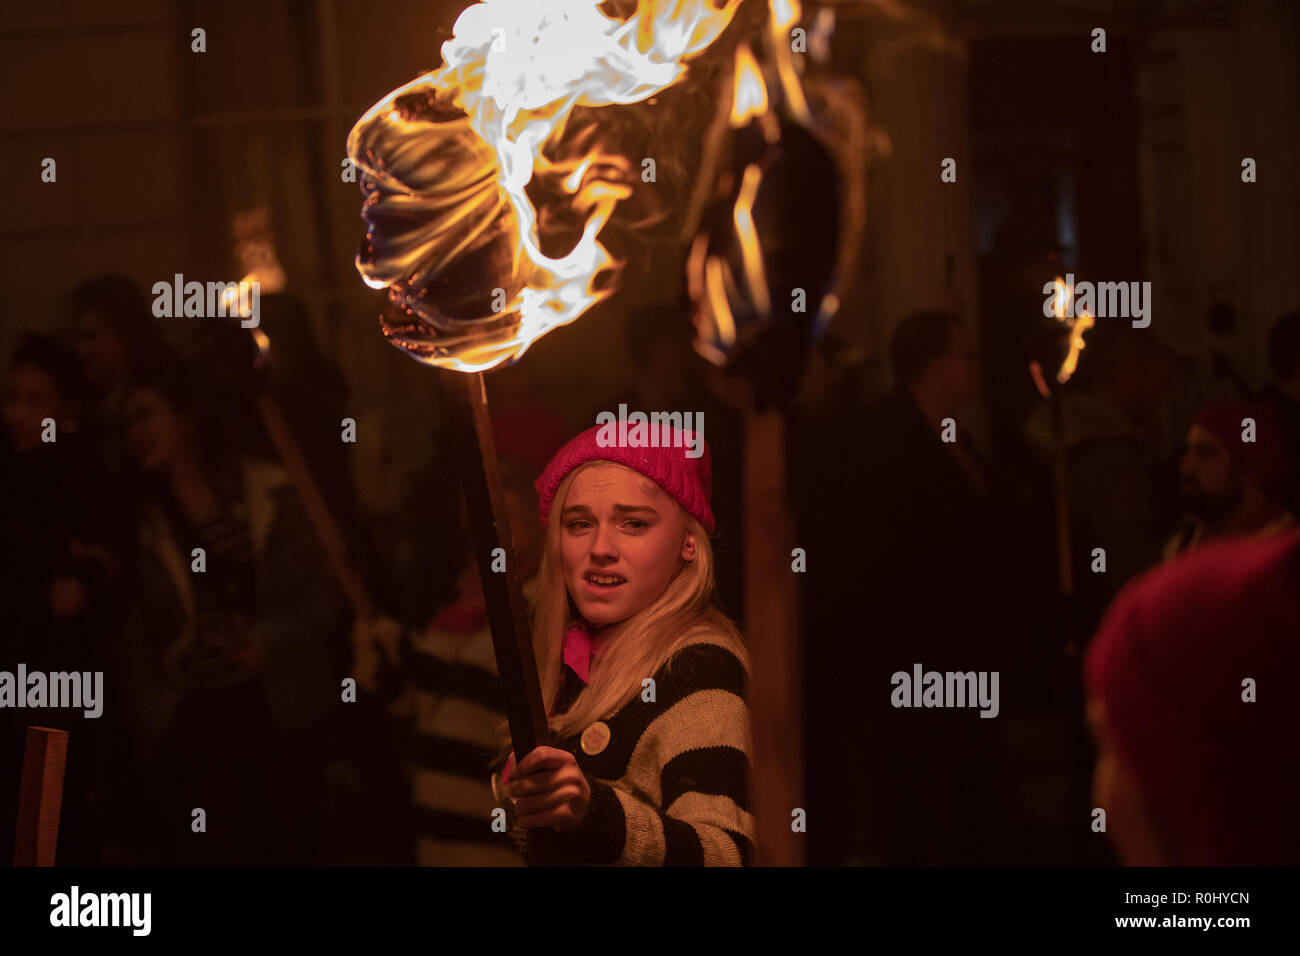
(688, 548)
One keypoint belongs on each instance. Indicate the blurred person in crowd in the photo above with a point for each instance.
(444, 677)
(1284, 394)
(928, 562)
(828, 463)
(1231, 485)
(285, 370)
(1190, 699)
(309, 389)
(234, 653)
(49, 527)
(115, 336)
(57, 548)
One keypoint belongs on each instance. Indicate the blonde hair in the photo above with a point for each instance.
(634, 649)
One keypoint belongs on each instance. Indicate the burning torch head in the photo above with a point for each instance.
(764, 260)
(439, 231)
(762, 268)
(482, 205)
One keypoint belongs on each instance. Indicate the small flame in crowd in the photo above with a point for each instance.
(230, 301)
(1062, 296)
(1080, 324)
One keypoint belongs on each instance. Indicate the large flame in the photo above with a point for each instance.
(446, 178)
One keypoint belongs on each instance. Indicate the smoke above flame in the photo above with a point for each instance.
(449, 160)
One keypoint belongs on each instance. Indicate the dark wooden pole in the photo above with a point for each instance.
(465, 398)
(40, 797)
(772, 630)
(318, 512)
(1061, 497)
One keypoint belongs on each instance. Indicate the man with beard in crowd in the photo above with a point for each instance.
(1232, 476)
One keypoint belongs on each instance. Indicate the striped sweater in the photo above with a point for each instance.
(457, 702)
(671, 786)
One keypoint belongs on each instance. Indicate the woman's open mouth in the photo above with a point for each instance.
(603, 582)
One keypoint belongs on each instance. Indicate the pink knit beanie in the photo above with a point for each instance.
(688, 480)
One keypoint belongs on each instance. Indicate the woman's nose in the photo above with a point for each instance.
(603, 545)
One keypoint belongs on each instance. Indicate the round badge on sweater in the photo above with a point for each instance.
(595, 738)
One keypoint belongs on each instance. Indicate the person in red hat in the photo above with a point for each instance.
(1190, 697)
(1232, 476)
(645, 679)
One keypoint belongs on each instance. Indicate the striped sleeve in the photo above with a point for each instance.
(684, 800)
(457, 708)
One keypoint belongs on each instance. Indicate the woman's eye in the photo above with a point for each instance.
(578, 524)
(636, 524)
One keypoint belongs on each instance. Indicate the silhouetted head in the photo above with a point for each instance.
(162, 417)
(933, 351)
(115, 333)
(44, 382)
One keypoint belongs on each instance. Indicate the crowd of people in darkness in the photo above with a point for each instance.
(151, 534)
(936, 553)
(150, 531)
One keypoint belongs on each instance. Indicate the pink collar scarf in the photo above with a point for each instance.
(579, 647)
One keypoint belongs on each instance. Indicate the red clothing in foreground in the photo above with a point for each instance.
(1172, 661)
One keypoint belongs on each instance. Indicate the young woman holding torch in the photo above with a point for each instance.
(645, 678)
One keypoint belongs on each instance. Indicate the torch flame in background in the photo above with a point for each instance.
(709, 278)
(712, 282)
(256, 253)
(515, 69)
(230, 300)
(1080, 324)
